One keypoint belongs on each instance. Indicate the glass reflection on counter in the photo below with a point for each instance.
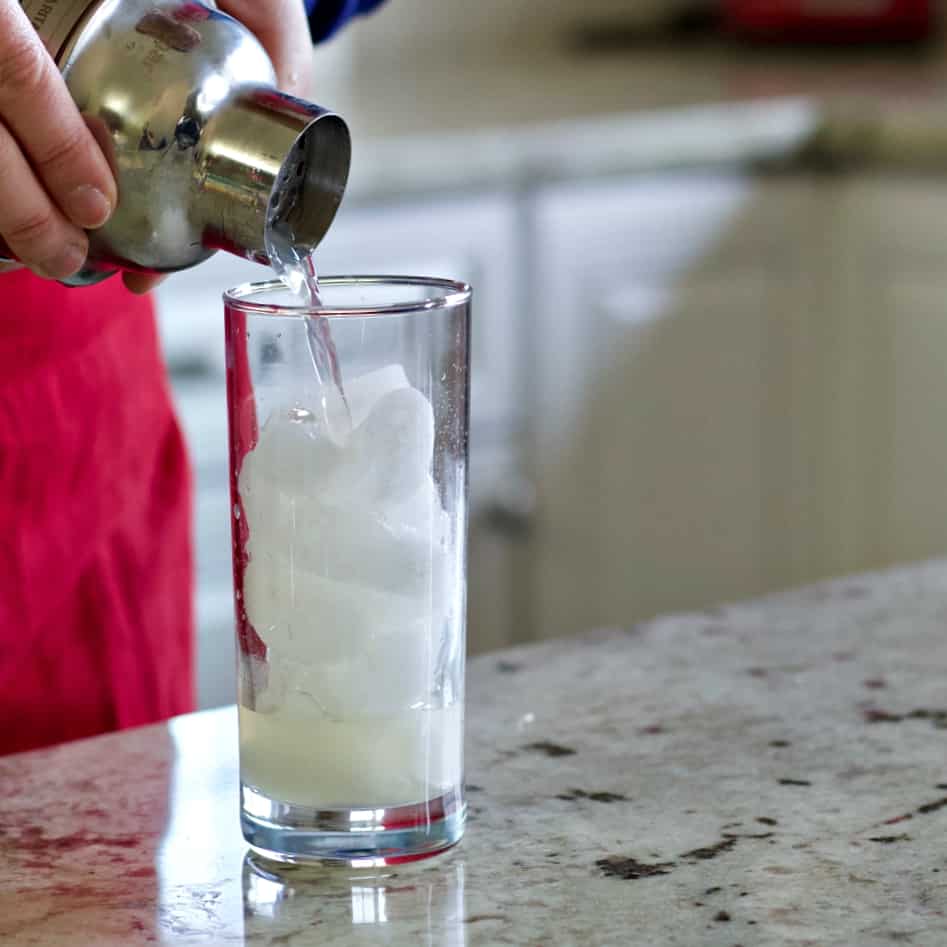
(368, 905)
(425, 900)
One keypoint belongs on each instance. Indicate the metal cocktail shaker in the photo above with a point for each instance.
(183, 100)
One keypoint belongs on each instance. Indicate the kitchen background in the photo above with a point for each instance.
(710, 278)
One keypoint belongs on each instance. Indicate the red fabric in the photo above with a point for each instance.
(95, 558)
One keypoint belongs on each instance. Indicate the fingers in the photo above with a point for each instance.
(33, 227)
(37, 109)
(55, 182)
(141, 283)
(282, 28)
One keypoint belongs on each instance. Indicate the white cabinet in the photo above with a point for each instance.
(888, 442)
(674, 418)
(740, 387)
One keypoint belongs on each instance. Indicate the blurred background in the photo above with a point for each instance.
(708, 242)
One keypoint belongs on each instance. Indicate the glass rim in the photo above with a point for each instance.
(452, 293)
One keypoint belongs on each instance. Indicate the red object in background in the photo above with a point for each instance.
(830, 21)
(95, 511)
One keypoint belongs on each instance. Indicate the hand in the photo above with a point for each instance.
(281, 26)
(55, 182)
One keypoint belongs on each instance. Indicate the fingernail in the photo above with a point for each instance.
(88, 207)
(68, 261)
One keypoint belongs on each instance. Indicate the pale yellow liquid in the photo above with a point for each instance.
(374, 762)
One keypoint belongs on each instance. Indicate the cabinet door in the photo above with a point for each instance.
(501, 511)
(677, 404)
(889, 286)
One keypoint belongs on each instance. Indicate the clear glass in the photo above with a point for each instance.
(349, 525)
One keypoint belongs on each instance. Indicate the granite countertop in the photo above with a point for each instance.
(550, 115)
(767, 774)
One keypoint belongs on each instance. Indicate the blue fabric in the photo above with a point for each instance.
(326, 17)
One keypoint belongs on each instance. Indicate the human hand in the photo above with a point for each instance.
(282, 28)
(55, 182)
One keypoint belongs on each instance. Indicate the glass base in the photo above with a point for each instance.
(294, 834)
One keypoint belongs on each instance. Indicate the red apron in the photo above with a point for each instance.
(95, 557)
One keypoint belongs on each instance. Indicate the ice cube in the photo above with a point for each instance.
(388, 457)
(294, 454)
(352, 567)
(315, 618)
(363, 392)
(348, 647)
(382, 462)
(347, 545)
(387, 675)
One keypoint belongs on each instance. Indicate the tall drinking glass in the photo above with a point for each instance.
(348, 459)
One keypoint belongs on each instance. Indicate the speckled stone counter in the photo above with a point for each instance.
(767, 774)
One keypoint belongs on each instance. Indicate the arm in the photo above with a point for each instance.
(327, 16)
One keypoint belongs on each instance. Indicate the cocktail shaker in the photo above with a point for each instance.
(183, 100)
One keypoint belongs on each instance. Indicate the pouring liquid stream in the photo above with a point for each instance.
(293, 264)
